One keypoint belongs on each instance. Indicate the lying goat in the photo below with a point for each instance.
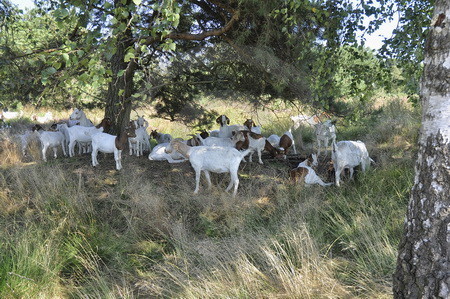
(305, 173)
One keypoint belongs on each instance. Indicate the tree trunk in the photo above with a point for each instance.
(423, 263)
(119, 101)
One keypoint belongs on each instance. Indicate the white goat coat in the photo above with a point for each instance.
(215, 159)
(105, 143)
(216, 141)
(226, 131)
(312, 178)
(80, 134)
(53, 140)
(139, 143)
(80, 116)
(158, 154)
(274, 140)
(325, 132)
(349, 154)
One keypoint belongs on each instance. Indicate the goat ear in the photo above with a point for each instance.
(228, 120)
(218, 119)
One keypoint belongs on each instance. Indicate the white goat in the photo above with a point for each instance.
(274, 140)
(159, 154)
(82, 134)
(160, 137)
(216, 141)
(27, 138)
(254, 142)
(139, 143)
(80, 116)
(43, 119)
(349, 154)
(107, 143)
(306, 173)
(211, 159)
(325, 132)
(7, 115)
(50, 139)
(225, 130)
(300, 119)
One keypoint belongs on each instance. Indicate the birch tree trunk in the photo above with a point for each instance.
(423, 263)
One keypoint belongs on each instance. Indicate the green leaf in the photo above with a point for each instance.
(128, 56)
(120, 73)
(66, 57)
(137, 2)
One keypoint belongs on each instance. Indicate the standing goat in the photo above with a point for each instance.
(254, 142)
(50, 139)
(211, 159)
(82, 134)
(325, 132)
(349, 154)
(107, 143)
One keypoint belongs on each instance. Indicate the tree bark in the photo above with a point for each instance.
(120, 89)
(423, 263)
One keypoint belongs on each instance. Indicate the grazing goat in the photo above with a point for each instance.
(82, 134)
(325, 132)
(254, 142)
(251, 126)
(50, 139)
(305, 173)
(107, 143)
(159, 154)
(286, 141)
(160, 137)
(139, 143)
(347, 155)
(79, 116)
(225, 130)
(211, 159)
(43, 119)
(282, 143)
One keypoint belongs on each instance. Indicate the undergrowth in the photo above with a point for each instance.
(68, 230)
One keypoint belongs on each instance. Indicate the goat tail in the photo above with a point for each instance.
(245, 153)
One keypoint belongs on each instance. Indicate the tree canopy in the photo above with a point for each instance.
(119, 54)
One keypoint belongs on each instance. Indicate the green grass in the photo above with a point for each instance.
(69, 230)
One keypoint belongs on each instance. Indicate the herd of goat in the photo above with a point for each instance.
(218, 151)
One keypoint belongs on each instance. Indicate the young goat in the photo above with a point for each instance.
(283, 143)
(139, 143)
(160, 137)
(50, 139)
(107, 143)
(211, 159)
(325, 132)
(305, 173)
(254, 142)
(347, 155)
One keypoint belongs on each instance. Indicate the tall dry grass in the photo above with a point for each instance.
(70, 230)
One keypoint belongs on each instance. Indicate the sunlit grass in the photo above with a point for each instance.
(70, 230)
